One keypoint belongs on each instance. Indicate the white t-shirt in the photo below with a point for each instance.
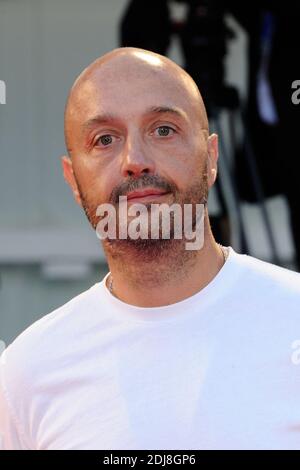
(218, 370)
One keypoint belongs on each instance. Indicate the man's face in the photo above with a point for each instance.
(134, 128)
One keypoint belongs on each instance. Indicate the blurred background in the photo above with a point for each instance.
(244, 60)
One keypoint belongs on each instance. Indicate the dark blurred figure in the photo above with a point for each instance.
(273, 121)
(203, 37)
(146, 24)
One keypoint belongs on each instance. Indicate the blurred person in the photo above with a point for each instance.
(272, 117)
(173, 348)
(136, 25)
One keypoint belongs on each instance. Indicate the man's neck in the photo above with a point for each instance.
(163, 282)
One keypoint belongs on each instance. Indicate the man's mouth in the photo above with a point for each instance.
(145, 195)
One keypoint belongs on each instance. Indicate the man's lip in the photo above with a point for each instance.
(146, 192)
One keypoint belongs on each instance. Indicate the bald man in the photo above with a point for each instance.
(174, 348)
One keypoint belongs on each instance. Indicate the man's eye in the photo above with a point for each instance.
(104, 140)
(164, 131)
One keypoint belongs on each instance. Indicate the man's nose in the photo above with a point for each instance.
(136, 159)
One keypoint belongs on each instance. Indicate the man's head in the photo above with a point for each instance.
(135, 119)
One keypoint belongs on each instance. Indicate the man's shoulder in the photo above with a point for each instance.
(258, 270)
(273, 285)
(65, 314)
(48, 335)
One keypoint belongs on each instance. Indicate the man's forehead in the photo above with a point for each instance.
(135, 98)
(135, 82)
(131, 82)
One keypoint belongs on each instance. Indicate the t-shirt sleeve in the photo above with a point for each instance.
(11, 437)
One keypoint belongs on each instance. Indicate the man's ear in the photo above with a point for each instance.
(70, 178)
(213, 155)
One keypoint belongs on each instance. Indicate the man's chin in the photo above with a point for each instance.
(147, 249)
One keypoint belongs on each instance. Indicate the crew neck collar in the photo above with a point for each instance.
(209, 294)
